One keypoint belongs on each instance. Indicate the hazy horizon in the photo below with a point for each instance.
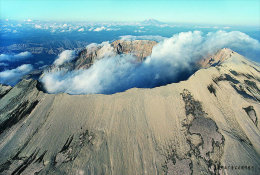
(221, 12)
(128, 22)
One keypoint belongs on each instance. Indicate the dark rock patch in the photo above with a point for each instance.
(40, 158)
(226, 77)
(255, 69)
(252, 85)
(241, 74)
(203, 138)
(231, 79)
(250, 111)
(248, 76)
(5, 166)
(215, 64)
(233, 72)
(248, 85)
(119, 49)
(212, 89)
(40, 87)
(67, 144)
(240, 90)
(71, 149)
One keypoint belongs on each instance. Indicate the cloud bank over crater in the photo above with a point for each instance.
(15, 57)
(171, 60)
(12, 76)
(64, 57)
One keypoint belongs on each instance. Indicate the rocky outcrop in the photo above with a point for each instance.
(138, 48)
(205, 125)
(86, 58)
(217, 58)
(4, 89)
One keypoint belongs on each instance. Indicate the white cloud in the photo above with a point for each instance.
(235, 40)
(15, 57)
(112, 29)
(23, 55)
(37, 26)
(4, 64)
(171, 60)
(99, 29)
(143, 37)
(39, 62)
(11, 77)
(81, 30)
(65, 56)
(106, 50)
(92, 45)
(165, 25)
(138, 31)
(43, 67)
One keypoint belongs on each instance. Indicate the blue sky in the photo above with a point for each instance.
(232, 12)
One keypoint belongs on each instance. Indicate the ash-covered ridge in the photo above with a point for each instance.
(207, 124)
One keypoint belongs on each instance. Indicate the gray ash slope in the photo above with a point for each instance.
(191, 127)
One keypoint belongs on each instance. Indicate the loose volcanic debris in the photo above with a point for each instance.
(205, 142)
(252, 114)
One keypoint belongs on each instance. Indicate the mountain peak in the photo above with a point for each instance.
(152, 22)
